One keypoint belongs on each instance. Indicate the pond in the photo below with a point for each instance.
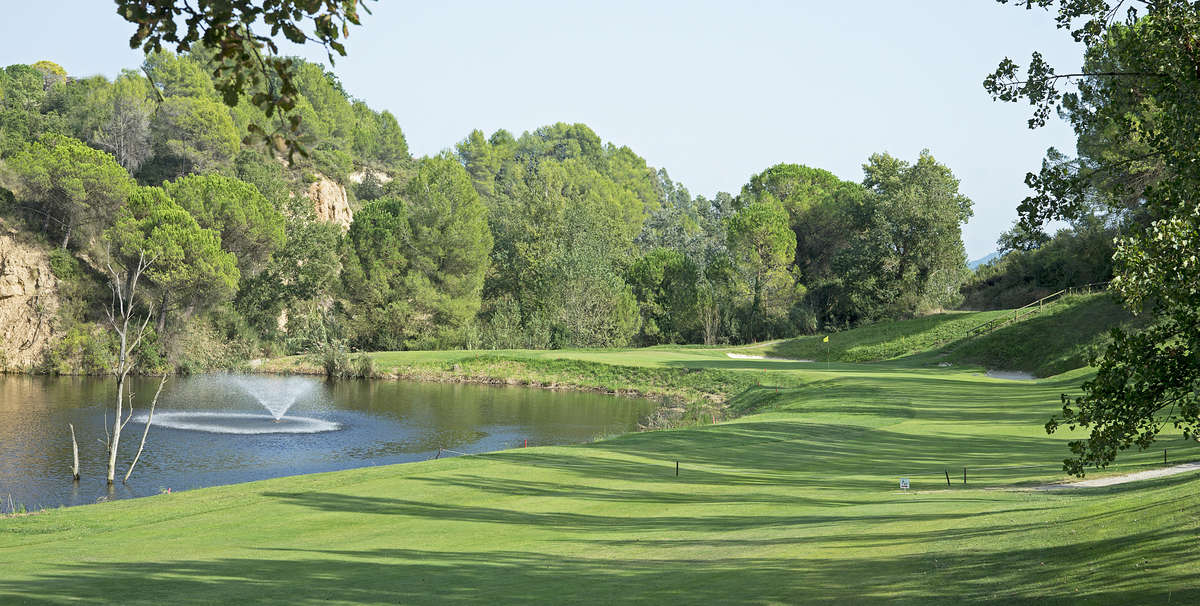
(216, 429)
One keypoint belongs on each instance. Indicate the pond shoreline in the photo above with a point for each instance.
(463, 379)
(702, 397)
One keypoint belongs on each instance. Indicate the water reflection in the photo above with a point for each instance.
(379, 422)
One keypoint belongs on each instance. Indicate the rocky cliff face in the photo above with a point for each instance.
(28, 302)
(329, 202)
(382, 177)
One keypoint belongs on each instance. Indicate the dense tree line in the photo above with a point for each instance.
(553, 238)
(1035, 265)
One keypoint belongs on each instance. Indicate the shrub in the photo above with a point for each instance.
(335, 359)
(7, 201)
(364, 367)
(210, 342)
(64, 265)
(85, 348)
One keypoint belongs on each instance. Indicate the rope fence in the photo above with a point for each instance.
(1032, 308)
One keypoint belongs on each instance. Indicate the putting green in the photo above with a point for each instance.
(799, 502)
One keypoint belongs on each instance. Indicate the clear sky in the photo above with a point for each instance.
(712, 91)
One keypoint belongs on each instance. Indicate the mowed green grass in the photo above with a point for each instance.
(795, 502)
(1049, 340)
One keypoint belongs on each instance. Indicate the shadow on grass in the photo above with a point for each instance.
(694, 494)
(921, 398)
(339, 502)
(794, 453)
(1138, 568)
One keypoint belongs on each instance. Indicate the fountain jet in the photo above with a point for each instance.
(276, 394)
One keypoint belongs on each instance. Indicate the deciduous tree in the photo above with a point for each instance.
(906, 254)
(666, 283)
(126, 133)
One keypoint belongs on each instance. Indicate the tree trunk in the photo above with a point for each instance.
(146, 431)
(116, 437)
(162, 315)
(709, 325)
(66, 236)
(756, 307)
(122, 371)
(120, 313)
(74, 454)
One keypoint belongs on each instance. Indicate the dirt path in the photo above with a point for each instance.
(1124, 479)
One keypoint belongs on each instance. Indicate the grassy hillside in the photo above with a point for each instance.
(886, 340)
(1057, 339)
(1061, 338)
(795, 503)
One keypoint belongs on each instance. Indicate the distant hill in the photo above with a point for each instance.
(977, 262)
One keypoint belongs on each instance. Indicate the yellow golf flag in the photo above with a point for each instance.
(825, 340)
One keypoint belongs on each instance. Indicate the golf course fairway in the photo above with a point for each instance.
(795, 501)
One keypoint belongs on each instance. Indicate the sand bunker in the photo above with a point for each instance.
(1011, 375)
(737, 356)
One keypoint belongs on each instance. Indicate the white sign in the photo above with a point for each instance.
(904, 483)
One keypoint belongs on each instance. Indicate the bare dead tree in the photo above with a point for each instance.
(121, 316)
(146, 430)
(74, 454)
(127, 133)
